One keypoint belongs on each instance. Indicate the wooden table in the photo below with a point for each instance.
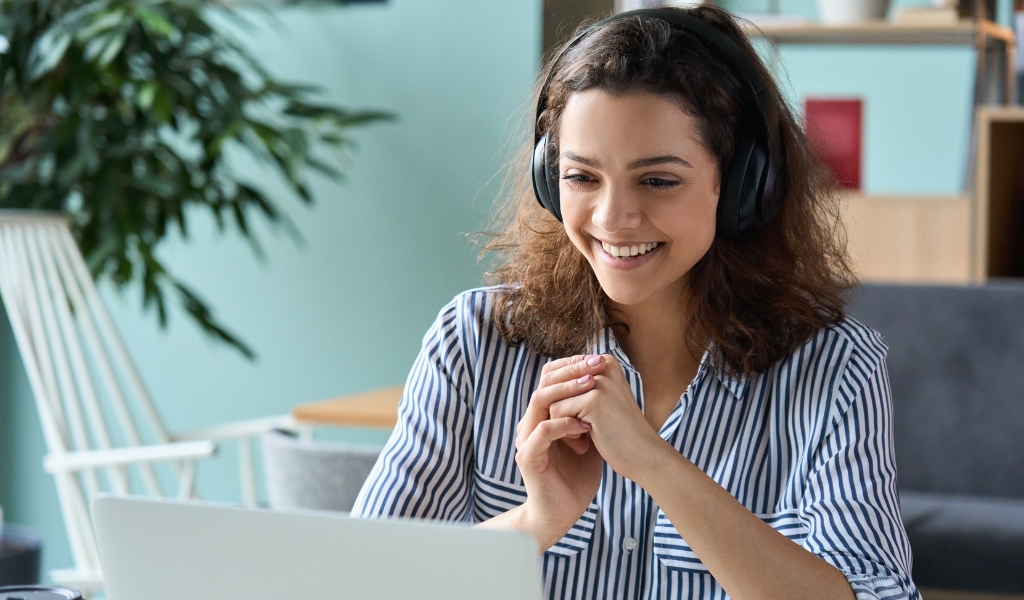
(377, 408)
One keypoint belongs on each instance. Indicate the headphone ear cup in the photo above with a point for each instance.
(742, 188)
(544, 173)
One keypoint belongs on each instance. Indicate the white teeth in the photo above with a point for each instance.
(628, 251)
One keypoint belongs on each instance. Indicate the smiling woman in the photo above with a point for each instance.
(662, 387)
(642, 179)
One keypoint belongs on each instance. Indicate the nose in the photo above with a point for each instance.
(617, 209)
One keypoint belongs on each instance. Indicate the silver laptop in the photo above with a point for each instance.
(157, 550)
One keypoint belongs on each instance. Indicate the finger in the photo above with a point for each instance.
(542, 398)
(536, 446)
(579, 445)
(611, 360)
(578, 407)
(533, 451)
(573, 368)
(561, 362)
(561, 382)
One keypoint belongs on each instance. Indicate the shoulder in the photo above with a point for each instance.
(833, 365)
(472, 310)
(838, 365)
(838, 347)
(862, 337)
(466, 324)
(866, 350)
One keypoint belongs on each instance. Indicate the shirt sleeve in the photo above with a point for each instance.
(851, 503)
(425, 469)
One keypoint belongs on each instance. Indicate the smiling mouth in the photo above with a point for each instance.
(628, 252)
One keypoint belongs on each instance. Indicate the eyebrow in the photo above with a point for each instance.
(579, 159)
(636, 164)
(657, 160)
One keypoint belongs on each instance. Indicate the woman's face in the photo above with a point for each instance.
(638, 190)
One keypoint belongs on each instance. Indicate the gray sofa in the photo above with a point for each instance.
(956, 367)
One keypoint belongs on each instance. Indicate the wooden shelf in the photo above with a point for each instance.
(920, 239)
(949, 239)
(882, 32)
(940, 239)
(999, 187)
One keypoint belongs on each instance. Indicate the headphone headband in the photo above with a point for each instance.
(712, 39)
(750, 202)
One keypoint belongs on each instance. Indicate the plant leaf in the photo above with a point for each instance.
(157, 24)
(130, 107)
(47, 52)
(113, 47)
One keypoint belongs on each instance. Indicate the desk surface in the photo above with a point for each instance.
(377, 408)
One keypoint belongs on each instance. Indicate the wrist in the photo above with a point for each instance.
(656, 458)
(546, 533)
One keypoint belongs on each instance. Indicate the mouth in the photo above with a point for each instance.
(630, 252)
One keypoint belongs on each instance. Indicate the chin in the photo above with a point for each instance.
(625, 294)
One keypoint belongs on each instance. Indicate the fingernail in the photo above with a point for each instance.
(584, 425)
(594, 360)
(583, 380)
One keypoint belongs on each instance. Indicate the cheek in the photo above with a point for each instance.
(703, 215)
(573, 221)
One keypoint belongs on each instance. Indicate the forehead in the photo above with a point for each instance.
(597, 120)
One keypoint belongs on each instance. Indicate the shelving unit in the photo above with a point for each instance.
(999, 191)
(939, 239)
(993, 42)
(881, 32)
(914, 239)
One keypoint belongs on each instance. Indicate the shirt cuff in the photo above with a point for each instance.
(881, 588)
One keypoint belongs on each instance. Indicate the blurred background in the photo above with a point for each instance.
(384, 249)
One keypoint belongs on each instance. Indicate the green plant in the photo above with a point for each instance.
(120, 113)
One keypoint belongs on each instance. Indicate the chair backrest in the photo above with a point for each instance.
(87, 392)
(314, 475)
(956, 366)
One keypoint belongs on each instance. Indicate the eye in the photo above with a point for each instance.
(660, 183)
(577, 180)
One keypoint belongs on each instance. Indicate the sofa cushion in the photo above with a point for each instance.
(965, 542)
(956, 367)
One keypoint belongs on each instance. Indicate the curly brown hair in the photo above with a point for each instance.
(753, 301)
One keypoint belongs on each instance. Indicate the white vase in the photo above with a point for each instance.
(844, 12)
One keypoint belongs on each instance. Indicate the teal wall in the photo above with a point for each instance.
(383, 251)
(917, 104)
(917, 100)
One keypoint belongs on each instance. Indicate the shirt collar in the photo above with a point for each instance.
(737, 384)
(606, 343)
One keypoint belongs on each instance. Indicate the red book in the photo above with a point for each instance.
(835, 129)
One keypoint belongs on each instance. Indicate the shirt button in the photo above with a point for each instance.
(630, 544)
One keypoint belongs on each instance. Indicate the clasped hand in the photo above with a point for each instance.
(582, 414)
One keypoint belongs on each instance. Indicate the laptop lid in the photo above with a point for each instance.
(159, 550)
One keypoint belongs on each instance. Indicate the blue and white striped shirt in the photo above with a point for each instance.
(806, 446)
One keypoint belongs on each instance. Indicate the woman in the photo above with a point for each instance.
(662, 388)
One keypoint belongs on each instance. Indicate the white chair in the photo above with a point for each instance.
(102, 432)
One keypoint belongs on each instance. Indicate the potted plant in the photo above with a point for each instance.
(120, 113)
(846, 12)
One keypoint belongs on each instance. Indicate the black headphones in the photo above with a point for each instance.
(752, 183)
